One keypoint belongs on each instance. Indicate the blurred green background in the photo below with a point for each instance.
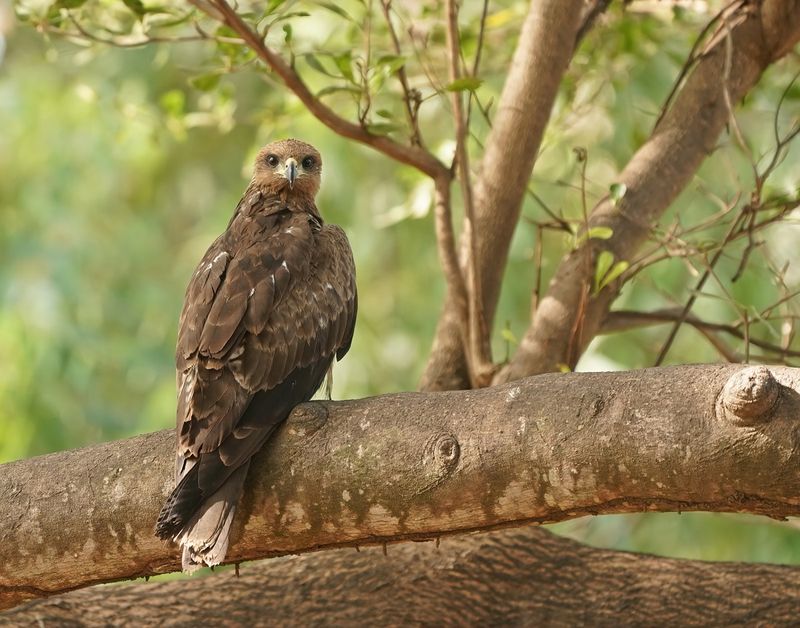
(119, 166)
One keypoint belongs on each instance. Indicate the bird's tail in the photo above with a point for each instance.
(206, 535)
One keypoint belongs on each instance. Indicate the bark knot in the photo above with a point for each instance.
(749, 396)
(447, 451)
(439, 459)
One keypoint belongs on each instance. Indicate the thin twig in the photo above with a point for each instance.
(623, 320)
(576, 331)
(780, 142)
(478, 350)
(121, 42)
(411, 98)
(694, 57)
(693, 297)
(477, 61)
(366, 97)
(537, 286)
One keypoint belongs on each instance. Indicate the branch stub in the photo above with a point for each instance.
(447, 451)
(749, 396)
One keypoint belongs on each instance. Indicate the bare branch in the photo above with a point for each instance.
(624, 320)
(414, 466)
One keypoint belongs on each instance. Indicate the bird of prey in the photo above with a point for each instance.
(270, 305)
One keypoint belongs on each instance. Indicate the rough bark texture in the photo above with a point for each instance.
(567, 317)
(545, 47)
(415, 466)
(520, 577)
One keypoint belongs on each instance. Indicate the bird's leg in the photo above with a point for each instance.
(329, 382)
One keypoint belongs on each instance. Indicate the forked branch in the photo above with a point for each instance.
(654, 177)
(546, 43)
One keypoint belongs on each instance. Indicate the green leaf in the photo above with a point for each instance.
(616, 192)
(315, 64)
(466, 83)
(288, 16)
(594, 233)
(793, 93)
(69, 4)
(332, 89)
(173, 102)
(344, 62)
(383, 113)
(607, 271)
(226, 31)
(336, 9)
(382, 128)
(231, 48)
(509, 336)
(287, 33)
(392, 63)
(205, 82)
(604, 261)
(274, 4)
(616, 270)
(600, 233)
(135, 6)
(163, 10)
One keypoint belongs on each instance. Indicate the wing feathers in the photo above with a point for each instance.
(223, 326)
(269, 305)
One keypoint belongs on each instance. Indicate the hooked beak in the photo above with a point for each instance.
(290, 171)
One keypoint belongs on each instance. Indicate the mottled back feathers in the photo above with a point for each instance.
(270, 305)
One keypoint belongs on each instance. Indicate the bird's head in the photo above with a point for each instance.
(289, 167)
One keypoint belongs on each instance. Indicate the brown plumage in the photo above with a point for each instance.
(270, 305)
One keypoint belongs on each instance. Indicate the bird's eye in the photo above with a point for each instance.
(308, 162)
(272, 160)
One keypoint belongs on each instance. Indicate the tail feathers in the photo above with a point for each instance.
(206, 535)
(182, 503)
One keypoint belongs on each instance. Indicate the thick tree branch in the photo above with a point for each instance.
(564, 324)
(543, 52)
(415, 466)
(523, 577)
